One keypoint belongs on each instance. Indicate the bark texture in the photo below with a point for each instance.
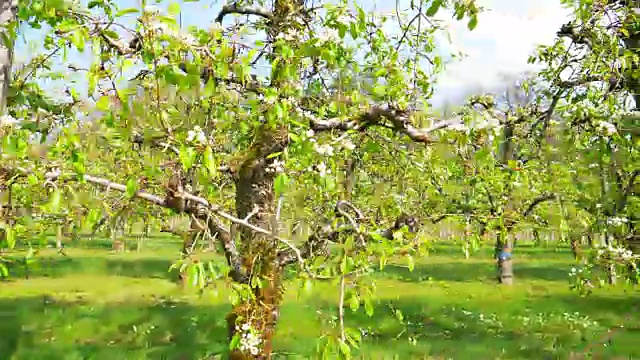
(8, 10)
(503, 251)
(255, 198)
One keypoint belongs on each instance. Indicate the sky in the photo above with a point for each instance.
(507, 34)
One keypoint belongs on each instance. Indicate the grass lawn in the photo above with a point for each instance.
(93, 304)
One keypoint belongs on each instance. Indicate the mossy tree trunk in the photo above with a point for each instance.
(255, 195)
(256, 201)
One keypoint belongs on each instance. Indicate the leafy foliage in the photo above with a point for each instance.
(342, 117)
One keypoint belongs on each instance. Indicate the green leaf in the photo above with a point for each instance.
(104, 103)
(342, 31)
(279, 111)
(344, 348)
(353, 336)
(235, 341)
(4, 271)
(353, 30)
(280, 183)
(380, 90)
(294, 138)
(10, 237)
(209, 162)
(410, 263)
(77, 38)
(473, 22)
(126, 11)
(343, 265)
(368, 307)
(354, 303)
(32, 179)
(174, 9)
(433, 9)
(132, 188)
(187, 157)
(275, 154)
(383, 261)
(54, 201)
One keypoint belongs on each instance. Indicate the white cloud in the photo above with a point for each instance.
(506, 35)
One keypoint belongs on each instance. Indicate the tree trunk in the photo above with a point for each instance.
(8, 10)
(7, 14)
(575, 245)
(117, 236)
(610, 266)
(59, 236)
(255, 201)
(504, 259)
(255, 195)
(537, 241)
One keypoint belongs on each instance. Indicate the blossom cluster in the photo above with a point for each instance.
(616, 221)
(197, 135)
(159, 28)
(8, 121)
(249, 341)
(618, 252)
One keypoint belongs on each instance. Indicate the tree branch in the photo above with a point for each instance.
(399, 120)
(317, 243)
(199, 207)
(537, 201)
(628, 190)
(243, 10)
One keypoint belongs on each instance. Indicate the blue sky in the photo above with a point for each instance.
(506, 35)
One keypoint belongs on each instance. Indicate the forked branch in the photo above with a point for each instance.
(318, 242)
(386, 116)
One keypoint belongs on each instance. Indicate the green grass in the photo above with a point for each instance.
(94, 304)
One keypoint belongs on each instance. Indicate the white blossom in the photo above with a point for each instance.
(277, 167)
(35, 137)
(328, 35)
(488, 123)
(160, 28)
(347, 144)
(323, 170)
(459, 126)
(8, 121)
(151, 9)
(344, 19)
(249, 340)
(291, 34)
(607, 127)
(196, 135)
(324, 149)
(616, 221)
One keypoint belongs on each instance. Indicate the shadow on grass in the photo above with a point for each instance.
(476, 272)
(445, 330)
(109, 264)
(625, 306)
(39, 328)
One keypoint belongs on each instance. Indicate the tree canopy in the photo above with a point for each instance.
(298, 135)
